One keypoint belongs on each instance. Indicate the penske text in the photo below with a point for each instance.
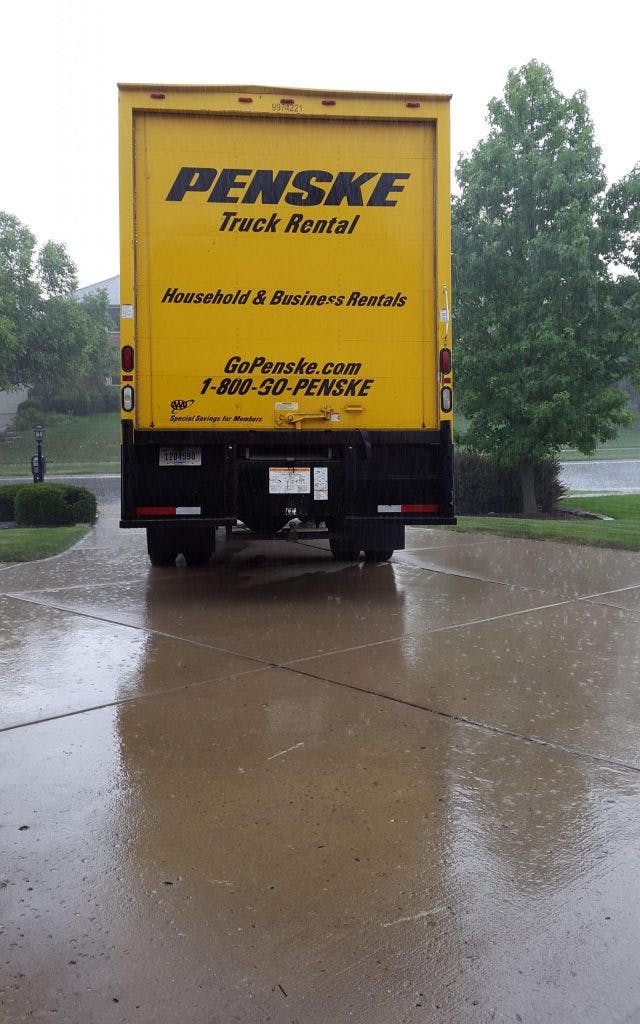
(334, 378)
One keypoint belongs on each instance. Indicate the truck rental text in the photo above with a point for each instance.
(285, 316)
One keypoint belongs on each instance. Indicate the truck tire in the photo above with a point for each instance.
(162, 558)
(161, 551)
(197, 556)
(382, 555)
(344, 549)
(197, 545)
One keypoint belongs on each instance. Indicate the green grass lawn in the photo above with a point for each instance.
(623, 531)
(30, 544)
(72, 444)
(625, 446)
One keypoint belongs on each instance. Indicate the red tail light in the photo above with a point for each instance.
(127, 358)
(445, 360)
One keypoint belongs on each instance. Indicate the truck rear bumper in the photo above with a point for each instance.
(351, 480)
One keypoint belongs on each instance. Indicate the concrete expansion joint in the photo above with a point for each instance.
(296, 667)
(596, 598)
(137, 698)
(496, 730)
(111, 621)
(457, 574)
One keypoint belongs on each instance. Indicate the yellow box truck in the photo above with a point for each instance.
(285, 321)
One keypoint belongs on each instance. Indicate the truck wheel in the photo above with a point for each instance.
(378, 555)
(197, 556)
(344, 549)
(162, 558)
(197, 544)
(161, 551)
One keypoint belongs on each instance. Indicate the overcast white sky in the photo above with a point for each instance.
(61, 61)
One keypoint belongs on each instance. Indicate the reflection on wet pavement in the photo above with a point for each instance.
(284, 789)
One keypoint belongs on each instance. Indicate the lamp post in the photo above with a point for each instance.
(37, 464)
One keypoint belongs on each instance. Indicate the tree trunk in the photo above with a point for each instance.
(527, 481)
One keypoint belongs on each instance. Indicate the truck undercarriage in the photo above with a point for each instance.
(364, 486)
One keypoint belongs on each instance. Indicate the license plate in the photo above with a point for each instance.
(181, 456)
(290, 481)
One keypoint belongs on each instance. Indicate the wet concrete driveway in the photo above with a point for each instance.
(284, 789)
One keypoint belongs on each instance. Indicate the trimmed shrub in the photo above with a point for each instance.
(483, 487)
(28, 415)
(81, 403)
(7, 501)
(54, 505)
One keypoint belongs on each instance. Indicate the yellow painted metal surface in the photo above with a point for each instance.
(284, 264)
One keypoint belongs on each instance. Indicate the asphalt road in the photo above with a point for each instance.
(285, 789)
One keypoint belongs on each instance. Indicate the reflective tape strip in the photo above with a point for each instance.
(169, 510)
(408, 509)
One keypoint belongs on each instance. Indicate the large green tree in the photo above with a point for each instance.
(48, 341)
(19, 295)
(544, 321)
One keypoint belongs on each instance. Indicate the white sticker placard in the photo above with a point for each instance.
(296, 480)
(286, 406)
(126, 312)
(320, 483)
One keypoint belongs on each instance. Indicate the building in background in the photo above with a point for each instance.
(112, 287)
(9, 402)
